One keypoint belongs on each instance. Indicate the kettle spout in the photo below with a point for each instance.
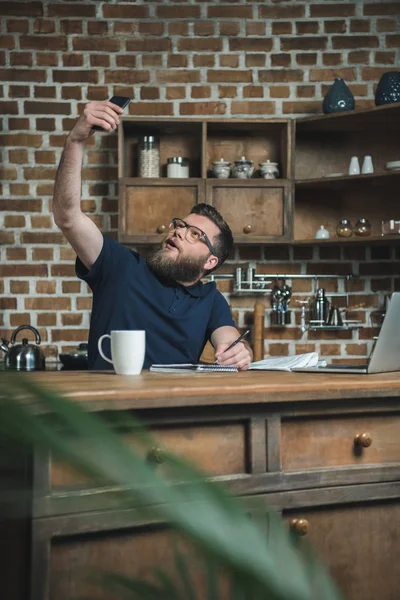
(4, 345)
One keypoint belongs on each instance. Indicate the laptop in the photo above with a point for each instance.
(385, 355)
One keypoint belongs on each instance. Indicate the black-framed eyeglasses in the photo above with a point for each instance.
(193, 234)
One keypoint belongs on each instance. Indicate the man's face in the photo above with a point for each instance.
(178, 259)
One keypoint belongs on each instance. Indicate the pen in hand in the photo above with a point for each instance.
(239, 339)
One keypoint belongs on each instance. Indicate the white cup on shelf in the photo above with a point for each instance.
(367, 166)
(127, 350)
(354, 166)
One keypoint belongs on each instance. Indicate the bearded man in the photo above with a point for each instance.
(164, 294)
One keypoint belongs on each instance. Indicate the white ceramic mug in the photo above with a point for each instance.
(127, 351)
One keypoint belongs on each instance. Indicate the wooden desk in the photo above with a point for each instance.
(293, 441)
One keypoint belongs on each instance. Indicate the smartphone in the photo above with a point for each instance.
(121, 101)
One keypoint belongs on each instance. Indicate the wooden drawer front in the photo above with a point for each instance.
(219, 449)
(328, 442)
(251, 211)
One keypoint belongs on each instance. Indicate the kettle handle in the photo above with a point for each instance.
(20, 328)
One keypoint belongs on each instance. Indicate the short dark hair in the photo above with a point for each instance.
(222, 242)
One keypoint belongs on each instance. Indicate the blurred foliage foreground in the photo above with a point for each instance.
(254, 564)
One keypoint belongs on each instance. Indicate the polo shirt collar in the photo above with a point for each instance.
(196, 290)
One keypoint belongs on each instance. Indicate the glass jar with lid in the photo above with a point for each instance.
(344, 228)
(149, 156)
(177, 166)
(362, 227)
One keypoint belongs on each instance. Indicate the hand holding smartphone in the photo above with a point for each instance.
(121, 101)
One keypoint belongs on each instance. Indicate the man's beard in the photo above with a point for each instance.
(185, 269)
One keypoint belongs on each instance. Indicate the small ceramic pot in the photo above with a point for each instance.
(221, 169)
(269, 170)
(242, 169)
(339, 98)
(388, 89)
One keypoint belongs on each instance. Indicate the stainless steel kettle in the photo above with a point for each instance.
(25, 356)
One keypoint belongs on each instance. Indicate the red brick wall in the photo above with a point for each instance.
(229, 59)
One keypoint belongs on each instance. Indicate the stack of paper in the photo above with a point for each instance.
(187, 368)
(286, 363)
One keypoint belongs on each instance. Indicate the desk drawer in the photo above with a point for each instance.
(218, 449)
(339, 441)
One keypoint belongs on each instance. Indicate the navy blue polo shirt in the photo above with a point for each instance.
(178, 319)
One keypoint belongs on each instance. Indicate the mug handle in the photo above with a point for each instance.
(99, 343)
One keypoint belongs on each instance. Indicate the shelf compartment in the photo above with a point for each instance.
(144, 222)
(177, 138)
(386, 178)
(379, 117)
(257, 140)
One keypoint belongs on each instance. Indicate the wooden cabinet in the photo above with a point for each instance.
(257, 209)
(289, 209)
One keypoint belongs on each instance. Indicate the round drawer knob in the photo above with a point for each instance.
(161, 229)
(300, 526)
(247, 228)
(363, 439)
(156, 456)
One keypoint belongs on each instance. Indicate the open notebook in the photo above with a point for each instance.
(189, 368)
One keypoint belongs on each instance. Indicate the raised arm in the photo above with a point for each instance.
(83, 235)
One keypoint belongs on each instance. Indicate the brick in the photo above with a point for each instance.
(17, 319)
(41, 222)
(339, 9)
(372, 73)
(48, 303)
(382, 8)
(126, 76)
(9, 108)
(278, 349)
(151, 109)
(149, 45)
(279, 91)
(307, 27)
(71, 10)
(46, 319)
(45, 189)
(338, 26)
(66, 335)
(40, 173)
(97, 92)
(200, 91)
(199, 45)
(152, 28)
(124, 11)
(63, 270)
(227, 91)
(178, 28)
(280, 75)
(203, 60)
(360, 26)
(71, 287)
(304, 43)
(14, 221)
(385, 58)
(204, 28)
(97, 27)
(392, 41)
(47, 59)
(255, 28)
(178, 76)
(229, 12)
(349, 42)
(18, 156)
(281, 60)
(73, 92)
(386, 25)
(21, 59)
(45, 91)
(234, 76)
(46, 287)
(305, 91)
(44, 26)
(330, 349)
(19, 189)
(229, 28)
(72, 60)
(330, 74)
(255, 60)
(67, 253)
(175, 61)
(71, 319)
(43, 254)
(96, 44)
(18, 9)
(252, 108)
(240, 44)
(75, 76)
(253, 91)
(282, 12)
(27, 270)
(152, 60)
(71, 27)
(229, 60)
(149, 93)
(19, 287)
(17, 25)
(19, 91)
(24, 75)
(282, 28)
(8, 173)
(33, 237)
(331, 59)
(38, 42)
(100, 60)
(202, 108)
(359, 57)
(308, 59)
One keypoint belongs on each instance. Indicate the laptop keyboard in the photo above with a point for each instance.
(337, 366)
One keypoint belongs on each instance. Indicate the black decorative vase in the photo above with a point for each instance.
(388, 89)
(339, 98)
